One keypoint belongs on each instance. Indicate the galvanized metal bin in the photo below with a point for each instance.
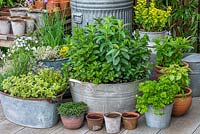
(105, 97)
(194, 63)
(84, 11)
(35, 113)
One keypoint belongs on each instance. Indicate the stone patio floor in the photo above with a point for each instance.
(187, 124)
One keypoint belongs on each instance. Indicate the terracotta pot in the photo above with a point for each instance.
(30, 24)
(130, 120)
(18, 27)
(64, 4)
(72, 122)
(159, 73)
(40, 4)
(95, 121)
(4, 25)
(181, 103)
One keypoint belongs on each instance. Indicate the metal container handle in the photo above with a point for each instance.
(77, 18)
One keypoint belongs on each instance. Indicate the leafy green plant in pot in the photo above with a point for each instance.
(36, 93)
(183, 99)
(170, 51)
(156, 101)
(72, 114)
(151, 20)
(104, 57)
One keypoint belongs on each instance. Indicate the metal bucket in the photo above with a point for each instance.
(105, 98)
(34, 113)
(159, 121)
(84, 11)
(55, 64)
(194, 63)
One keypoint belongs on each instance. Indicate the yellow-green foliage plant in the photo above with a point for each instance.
(149, 18)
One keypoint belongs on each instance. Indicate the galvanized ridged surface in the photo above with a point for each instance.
(106, 97)
(84, 11)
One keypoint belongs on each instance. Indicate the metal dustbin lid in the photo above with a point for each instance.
(193, 58)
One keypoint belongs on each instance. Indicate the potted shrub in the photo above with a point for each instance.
(156, 101)
(183, 99)
(36, 93)
(72, 114)
(113, 122)
(170, 51)
(95, 121)
(151, 20)
(130, 120)
(106, 65)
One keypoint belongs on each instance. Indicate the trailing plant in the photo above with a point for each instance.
(106, 53)
(47, 83)
(170, 50)
(72, 109)
(150, 18)
(52, 33)
(158, 94)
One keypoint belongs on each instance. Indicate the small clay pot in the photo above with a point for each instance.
(112, 122)
(18, 27)
(159, 68)
(40, 4)
(94, 121)
(5, 25)
(182, 103)
(30, 24)
(130, 120)
(72, 122)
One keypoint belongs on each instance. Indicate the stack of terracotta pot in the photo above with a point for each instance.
(17, 24)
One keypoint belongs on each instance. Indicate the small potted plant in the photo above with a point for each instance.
(157, 101)
(183, 99)
(72, 114)
(94, 121)
(37, 93)
(170, 51)
(130, 120)
(113, 122)
(151, 20)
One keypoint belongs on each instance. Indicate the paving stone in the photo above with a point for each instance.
(7, 127)
(186, 124)
(39, 131)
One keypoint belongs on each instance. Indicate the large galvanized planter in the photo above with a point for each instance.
(105, 98)
(34, 113)
(159, 121)
(84, 11)
(194, 63)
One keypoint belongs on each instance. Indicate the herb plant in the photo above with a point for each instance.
(72, 109)
(150, 18)
(47, 83)
(106, 53)
(170, 50)
(158, 94)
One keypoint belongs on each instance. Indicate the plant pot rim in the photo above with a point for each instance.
(17, 20)
(131, 113)
(119, 115)
(27, 18)
(72, 116)
(98, 114)
(2, 18)
(188, 93)
(160, 67)
(33, 99)
(160, 32)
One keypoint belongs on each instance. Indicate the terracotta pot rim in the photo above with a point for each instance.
(131, 113)
(188, 92)
(100, 115)
(158, 67)
(17, 20)
(72, 117)
(27, 18)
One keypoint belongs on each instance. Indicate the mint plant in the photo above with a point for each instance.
(105, 52)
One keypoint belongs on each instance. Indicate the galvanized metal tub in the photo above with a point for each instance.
(84, 11)
(194, 63)
(55, 64)
(159, 121)
(34, 113)
(105, 98)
